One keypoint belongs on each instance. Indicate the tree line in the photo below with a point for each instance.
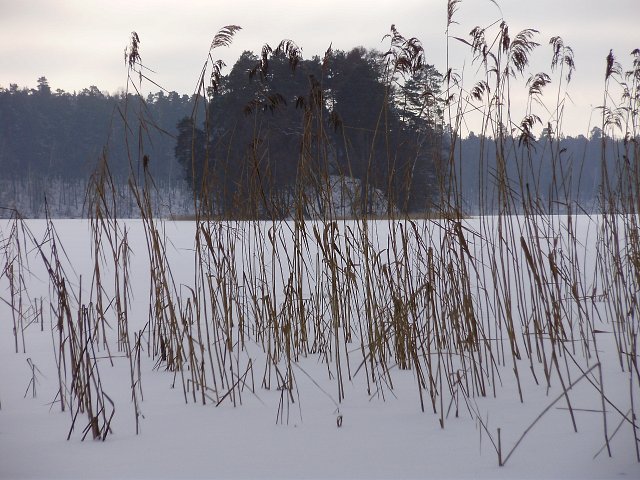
(277, 128)
(54, 133)
(551, 174)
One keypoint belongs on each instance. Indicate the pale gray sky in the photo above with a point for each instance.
(78, 43)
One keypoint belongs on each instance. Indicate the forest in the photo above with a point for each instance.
(277, 126)
(51, 142)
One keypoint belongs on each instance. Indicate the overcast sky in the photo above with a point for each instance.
(79, 43)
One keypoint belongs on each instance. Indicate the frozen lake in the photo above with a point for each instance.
(319, 350)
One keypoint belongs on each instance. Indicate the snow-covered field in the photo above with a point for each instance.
(321, 427)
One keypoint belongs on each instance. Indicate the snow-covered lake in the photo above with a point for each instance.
(319, 354)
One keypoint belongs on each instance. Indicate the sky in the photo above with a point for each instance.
(79, 43)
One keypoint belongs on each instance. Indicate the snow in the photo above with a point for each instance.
(383, 435)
